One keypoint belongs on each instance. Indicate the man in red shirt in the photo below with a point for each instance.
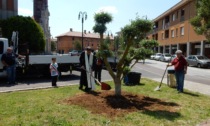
(180, 65)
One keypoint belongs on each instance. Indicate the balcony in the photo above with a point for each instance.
(182, 18)
(155, 30)
(167, 25)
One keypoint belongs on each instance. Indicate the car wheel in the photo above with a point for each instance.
(199, 65)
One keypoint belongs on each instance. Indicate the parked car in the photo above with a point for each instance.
(165, 57)
(152, 57)
(198, 60)
(75, 52)
(173, 57)
(157, 56)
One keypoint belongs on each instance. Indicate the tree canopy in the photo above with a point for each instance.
(131, 35)
(77, 45)
(201, 21)
(30, 32)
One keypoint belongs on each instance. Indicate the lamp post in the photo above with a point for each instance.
(83, 16)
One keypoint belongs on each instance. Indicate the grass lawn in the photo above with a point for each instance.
(44, 108)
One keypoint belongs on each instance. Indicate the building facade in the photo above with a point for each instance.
(8, 8)
(41, 16)
(173, 31)
(66, 41)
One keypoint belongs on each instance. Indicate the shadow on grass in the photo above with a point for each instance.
(94, 93)
(150, 106)
(162, 114)
(191, 94)
(139, 84)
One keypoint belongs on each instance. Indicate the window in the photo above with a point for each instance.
(182, 30)
(172, 33)
(10, 5)
(182, 12)
(173, 17)
(163, 24)
(177, 34)
(177, 14)
(73, 38)
(167, 34)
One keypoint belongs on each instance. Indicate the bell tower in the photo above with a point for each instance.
(41, 16)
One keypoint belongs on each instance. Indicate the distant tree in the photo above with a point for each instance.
(77, 45)
(53, 46)
(101, 19)
(30, 32)
(201, 21)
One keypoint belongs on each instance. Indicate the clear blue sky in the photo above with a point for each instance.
(64, 13)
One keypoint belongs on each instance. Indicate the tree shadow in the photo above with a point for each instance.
(150, 106)
(138, 84)
(191, 94)
(34, 79)
(162, 114)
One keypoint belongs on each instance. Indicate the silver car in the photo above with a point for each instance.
(198, 60)
(152, 57)
(165, 57)
(157, 56)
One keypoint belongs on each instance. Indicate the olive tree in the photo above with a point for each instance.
(131, 33)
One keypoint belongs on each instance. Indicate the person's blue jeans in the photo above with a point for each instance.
(126, 81)
(180, 75)
(11, 74)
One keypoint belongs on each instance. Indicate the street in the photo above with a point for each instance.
(155, 69)
(151, 69)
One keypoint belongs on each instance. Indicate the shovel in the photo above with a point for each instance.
(104, 86)
(158, 87)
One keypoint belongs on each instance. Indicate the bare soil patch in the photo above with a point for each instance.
(107, 104)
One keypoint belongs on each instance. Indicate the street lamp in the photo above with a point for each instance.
(83, 16)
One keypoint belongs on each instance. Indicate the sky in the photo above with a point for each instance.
(64, 13)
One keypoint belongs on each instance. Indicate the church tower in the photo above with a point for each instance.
(41, 16)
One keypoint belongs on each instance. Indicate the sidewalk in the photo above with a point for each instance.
(192, 86)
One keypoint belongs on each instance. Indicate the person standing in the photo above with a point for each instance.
(8, 59)
(87, 62)
(180, 65)
(98, 66)
(54, 72)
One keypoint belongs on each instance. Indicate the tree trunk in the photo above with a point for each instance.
(117, 83)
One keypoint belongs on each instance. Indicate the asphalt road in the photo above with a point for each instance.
(151, 69)
(155, 69)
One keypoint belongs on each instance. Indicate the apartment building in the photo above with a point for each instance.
(173, 31)
(66, 41)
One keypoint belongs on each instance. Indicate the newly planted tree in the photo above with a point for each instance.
(131, 34)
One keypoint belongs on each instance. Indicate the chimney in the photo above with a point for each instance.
(71, 30)
(89, 32)
(85, 31)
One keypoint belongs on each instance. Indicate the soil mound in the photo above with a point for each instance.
(107, 104)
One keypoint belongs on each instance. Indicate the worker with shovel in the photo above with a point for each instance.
(87, 62)
(180, 65)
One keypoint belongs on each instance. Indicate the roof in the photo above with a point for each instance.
(86, 35)
(180, 4)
